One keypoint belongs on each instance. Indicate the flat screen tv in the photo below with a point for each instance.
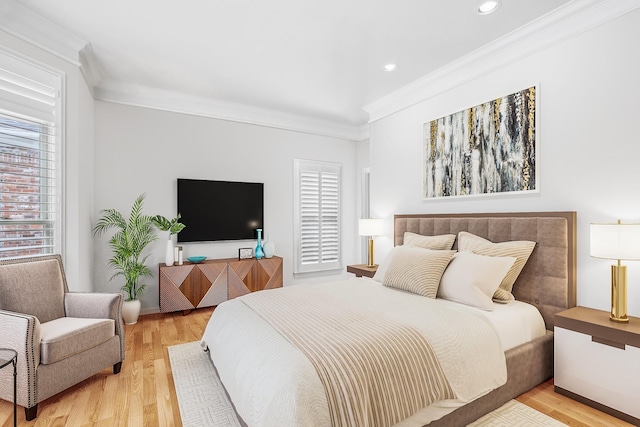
(219, 210)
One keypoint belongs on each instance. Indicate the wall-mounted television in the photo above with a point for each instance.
(219, 210)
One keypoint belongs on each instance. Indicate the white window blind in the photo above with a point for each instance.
(317, 216)
(30, 165)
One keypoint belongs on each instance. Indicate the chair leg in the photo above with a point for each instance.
(31, 413)
(117, 367)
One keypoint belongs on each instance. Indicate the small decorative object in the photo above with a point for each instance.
(168, 253)
(268, 246)
(173, 227)
(180, 260)
(245, 253)
(196, 259)
(259, 250)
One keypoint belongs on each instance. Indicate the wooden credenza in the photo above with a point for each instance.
(188, 286)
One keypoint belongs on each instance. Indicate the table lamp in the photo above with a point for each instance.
(616, 241)
(370, 227)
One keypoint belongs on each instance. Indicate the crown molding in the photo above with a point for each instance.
(159, 99)
(27, 25)
(559, 25)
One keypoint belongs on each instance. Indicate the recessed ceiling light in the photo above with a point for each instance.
(486, 7)
(390, 67)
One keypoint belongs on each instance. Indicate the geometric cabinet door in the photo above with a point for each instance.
(189, 286)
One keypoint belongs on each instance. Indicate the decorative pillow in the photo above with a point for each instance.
(440, 242)
(519, 249)
(417, 270)
(472, 279)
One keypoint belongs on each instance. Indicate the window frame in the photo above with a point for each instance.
(33, 92)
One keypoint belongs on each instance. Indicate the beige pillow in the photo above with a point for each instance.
(472, 279)
(417, 270)
(519, 249)
(440, 242)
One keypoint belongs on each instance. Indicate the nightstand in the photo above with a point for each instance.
(362, 270)
(597, 361)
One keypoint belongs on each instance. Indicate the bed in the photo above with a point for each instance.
(272, 381)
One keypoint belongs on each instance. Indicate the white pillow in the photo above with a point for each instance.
(382, 267)
(472, 279)
(417, 270)
(439, 242)
(520, 249)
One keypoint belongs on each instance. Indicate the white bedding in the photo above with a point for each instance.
(515, 322)
(272, 383)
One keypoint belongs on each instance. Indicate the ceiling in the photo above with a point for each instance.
(317, 59)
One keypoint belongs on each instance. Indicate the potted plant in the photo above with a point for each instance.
(173, 226)
(131, 237)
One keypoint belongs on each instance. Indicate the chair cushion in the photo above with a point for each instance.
(67, 336)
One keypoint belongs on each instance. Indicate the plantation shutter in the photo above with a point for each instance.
(30, 165)
(317, 216)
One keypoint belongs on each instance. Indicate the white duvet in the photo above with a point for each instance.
(271, 383)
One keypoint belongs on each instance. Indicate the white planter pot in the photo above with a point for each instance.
(168, 255)
(130, 311)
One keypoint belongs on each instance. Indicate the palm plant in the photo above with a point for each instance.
(130, 239)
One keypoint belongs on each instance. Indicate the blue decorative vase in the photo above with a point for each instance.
(259, 251)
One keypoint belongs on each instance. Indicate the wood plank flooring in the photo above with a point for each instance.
(143, 394)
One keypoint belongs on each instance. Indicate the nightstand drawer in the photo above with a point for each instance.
(599, 372)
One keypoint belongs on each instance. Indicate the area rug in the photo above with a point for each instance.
(203, 401)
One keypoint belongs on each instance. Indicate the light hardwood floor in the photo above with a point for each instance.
(143, 393)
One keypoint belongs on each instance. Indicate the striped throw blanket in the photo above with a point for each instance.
(375, 371)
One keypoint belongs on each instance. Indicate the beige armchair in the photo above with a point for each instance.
(61, 338)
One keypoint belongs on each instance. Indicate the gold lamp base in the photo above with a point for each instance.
(619, 294)
(370, 254)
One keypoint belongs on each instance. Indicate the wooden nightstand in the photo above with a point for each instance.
(597, 361)
(362, 270)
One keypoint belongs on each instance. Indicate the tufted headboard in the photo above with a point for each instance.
(548, 280)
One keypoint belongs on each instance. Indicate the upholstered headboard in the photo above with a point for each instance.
(548, 280)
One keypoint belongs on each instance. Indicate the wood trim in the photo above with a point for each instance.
(362, 270)
(596, 323)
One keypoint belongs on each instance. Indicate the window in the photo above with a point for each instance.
(30, 165)
(316, 216)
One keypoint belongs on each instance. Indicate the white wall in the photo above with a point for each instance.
(78, 163)
(589, 145)
(141, 150)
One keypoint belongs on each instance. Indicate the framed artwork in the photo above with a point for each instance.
(487, 149)
(245, 253)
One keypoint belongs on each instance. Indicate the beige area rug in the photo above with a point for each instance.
(204, 402)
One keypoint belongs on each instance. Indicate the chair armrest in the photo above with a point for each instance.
(92, 305)
(95, 305)
(21, 332)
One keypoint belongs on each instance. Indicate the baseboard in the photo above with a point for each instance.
(599, 406)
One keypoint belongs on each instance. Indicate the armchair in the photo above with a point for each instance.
(61, 338)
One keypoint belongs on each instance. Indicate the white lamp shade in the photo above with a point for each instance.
(370, 227)
(615, 241)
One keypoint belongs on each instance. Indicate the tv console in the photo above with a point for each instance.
(188, 286)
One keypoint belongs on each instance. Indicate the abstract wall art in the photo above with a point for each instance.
(486, 149)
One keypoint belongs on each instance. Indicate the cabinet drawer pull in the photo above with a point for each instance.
(608, 342)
